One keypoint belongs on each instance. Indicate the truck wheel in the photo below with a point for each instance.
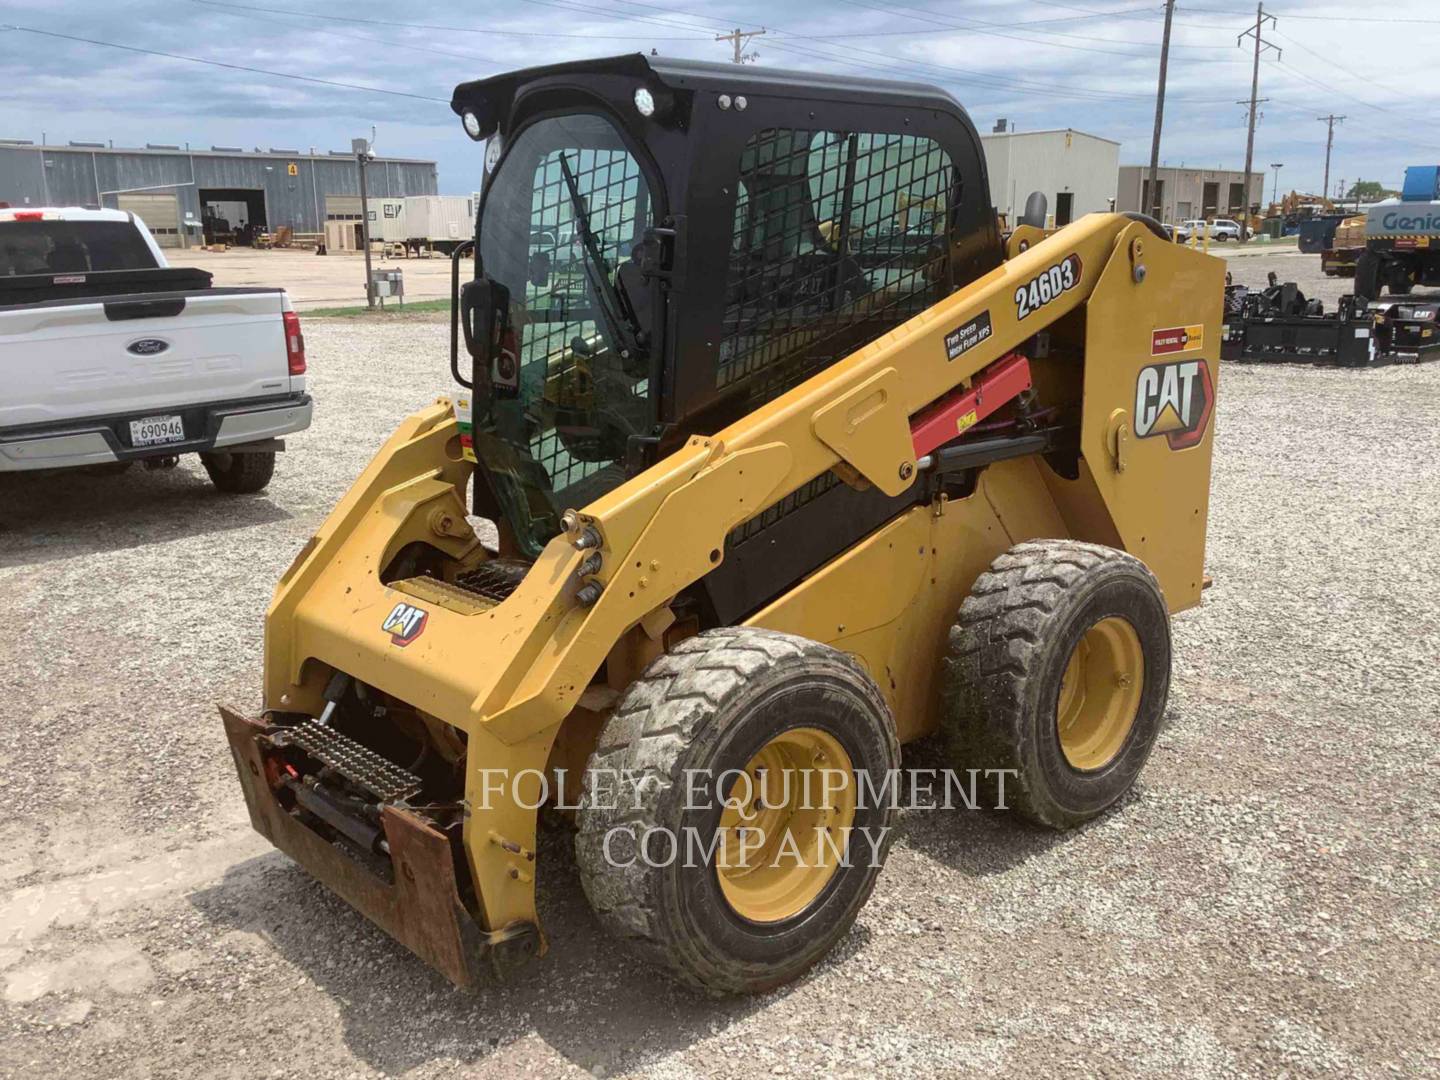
(741, 843)
(1058, 671)
(240, 474)
(1367, 276)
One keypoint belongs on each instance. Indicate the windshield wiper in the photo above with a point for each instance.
(618, 323)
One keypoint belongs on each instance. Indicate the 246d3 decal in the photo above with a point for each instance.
(1174, 400)
(1047, 286)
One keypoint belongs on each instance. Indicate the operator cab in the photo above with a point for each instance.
(664, 245)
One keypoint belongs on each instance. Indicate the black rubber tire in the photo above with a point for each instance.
(240, 474)
(710, 704)
(1007, 654)
(1367, 275)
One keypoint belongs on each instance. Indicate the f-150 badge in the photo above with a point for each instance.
(1174, 400)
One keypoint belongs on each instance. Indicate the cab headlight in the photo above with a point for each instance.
(471, 122)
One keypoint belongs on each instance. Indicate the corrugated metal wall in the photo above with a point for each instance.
(73, 176)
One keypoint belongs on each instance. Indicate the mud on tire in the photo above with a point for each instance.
(1008, 654)
(710, 705)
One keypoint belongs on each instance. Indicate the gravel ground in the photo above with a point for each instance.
(1264, 904)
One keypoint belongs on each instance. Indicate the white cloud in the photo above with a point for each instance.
(1041, 63)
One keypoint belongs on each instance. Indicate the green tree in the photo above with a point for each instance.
(1368, 190)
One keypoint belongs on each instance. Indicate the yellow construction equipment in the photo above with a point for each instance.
(792, 458)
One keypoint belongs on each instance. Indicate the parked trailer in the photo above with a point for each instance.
(438, 222)
(388, 221)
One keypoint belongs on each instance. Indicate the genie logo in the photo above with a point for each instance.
(1396, 221)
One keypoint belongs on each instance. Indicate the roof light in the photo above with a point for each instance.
(644, 101)
(471, 123)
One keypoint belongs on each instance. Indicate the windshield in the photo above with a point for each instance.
(560, 220)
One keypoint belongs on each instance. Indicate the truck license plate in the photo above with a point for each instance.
(156, 430)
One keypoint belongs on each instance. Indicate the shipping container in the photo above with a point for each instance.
(388, 220)
(442, 222)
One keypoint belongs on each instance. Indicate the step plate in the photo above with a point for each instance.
(360, 765)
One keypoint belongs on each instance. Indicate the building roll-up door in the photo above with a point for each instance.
(342, 207)
(161, 214)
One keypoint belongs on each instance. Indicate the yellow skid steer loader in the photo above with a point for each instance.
(771, 454)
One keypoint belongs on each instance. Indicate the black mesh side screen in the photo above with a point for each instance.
(839, 237)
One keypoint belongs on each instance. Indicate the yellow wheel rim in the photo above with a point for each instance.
(785, 825)
(1100, 694)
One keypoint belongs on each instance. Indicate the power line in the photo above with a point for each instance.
(1260, 43)
(378, 41)
(908, 66)
(223, 64)
(979, 28)
(1331, 61)
(1312, 18)
(903, 66)
(427, 26)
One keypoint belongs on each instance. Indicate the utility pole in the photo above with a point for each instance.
(1155, 209)
(738, 38)
(1260, 18)
(1329, 122)
(362, 158)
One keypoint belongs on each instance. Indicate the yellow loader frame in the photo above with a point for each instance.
(517, 678)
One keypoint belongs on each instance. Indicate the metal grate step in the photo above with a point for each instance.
(495, 579)
(360, 765)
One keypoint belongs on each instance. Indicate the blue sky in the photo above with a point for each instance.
(1087, 64)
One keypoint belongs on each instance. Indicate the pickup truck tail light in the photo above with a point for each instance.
(294, 343)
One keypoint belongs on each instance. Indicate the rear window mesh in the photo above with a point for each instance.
(838, 237)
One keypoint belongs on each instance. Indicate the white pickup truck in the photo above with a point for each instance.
(109, 356)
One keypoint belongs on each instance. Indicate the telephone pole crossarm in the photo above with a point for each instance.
(738, 38)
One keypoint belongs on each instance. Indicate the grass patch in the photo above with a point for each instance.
(417, 307)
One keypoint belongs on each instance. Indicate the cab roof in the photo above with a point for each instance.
(491, 99)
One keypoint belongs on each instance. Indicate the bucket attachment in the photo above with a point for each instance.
(421, 906)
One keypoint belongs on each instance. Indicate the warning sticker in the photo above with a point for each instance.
(964, 338)
(1175, 339)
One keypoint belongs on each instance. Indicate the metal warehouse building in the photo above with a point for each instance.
(179, 192)
(1076, 172)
